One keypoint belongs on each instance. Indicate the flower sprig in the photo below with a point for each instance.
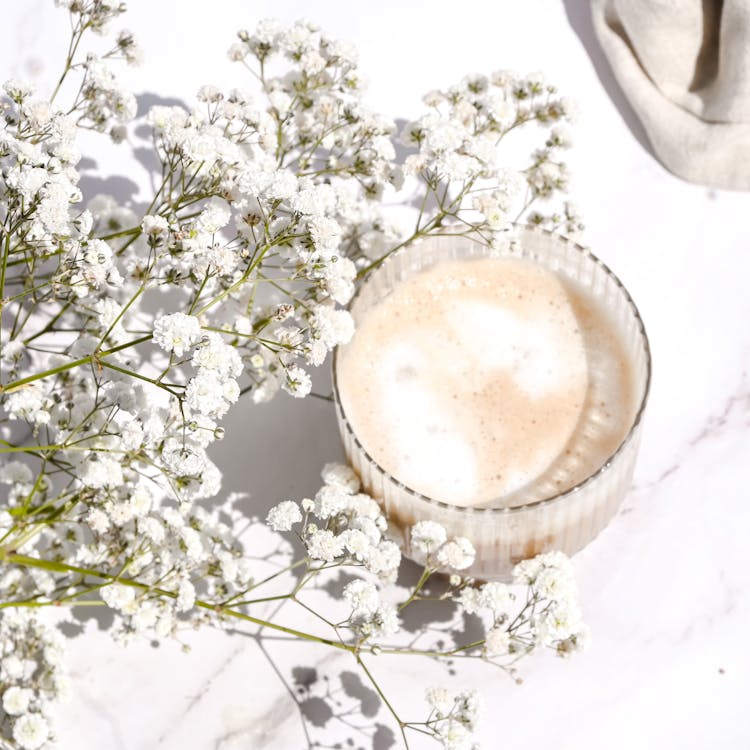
(126, 337)
(343, 527)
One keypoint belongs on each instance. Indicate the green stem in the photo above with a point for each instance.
(194, 303)
(132, 374)
(262, 600)
(56, 603)
(255, 585)
(122, 233)
(25, 561)
(426, 573)
(50, 324)
(72, 49)
(6, 252)
(3, 268)
(374, 683)
(120, 315)
(71, 365)
(9, 557)
(432, 224)
(37, 485)
(436, 654)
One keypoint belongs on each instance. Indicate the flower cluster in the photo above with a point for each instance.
(454, 717)
(458, 140)
(342, 525)
(298, 180)
(430, 544)
(107, 107)
(174, 556)
(559, 623)
(38, 178)
(126, 337)
(549, 616)
(32, 678)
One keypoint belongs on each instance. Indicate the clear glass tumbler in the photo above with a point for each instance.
(508, 531)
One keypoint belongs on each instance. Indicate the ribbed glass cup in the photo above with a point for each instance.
(507, 532)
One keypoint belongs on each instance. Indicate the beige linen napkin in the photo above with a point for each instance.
(685, 67)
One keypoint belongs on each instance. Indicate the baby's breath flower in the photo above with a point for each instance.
(209, 395)
(284, 515)
(18, 90)
(330, 500)
(333, 326)
(561, 621)
(439, 699)
(467, 706)
(577, 641)
(118, 596)
(382, 622)
(497, 642)
(32, 675)
(154, 224)
(356, 543)
(325, 233)
(101, 471)
(30, 731)
(16, 700)
(297, 383)
(496, 597)
(129, 47)
(215, 216)
(457, 554)
(177, 332)
(97, 520)
(470, 600)
(384, 560)
(342, 476)
(362, 597)
(455, 736)
(455, 717)
(185, 596)
(427, 537)
(323, 545)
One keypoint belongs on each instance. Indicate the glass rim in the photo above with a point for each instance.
(552, 499)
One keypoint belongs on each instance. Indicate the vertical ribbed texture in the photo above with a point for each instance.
(567, 522)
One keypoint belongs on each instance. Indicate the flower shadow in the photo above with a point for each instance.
(343, 706)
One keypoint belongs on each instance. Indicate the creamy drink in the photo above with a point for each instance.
(479, 389)
(487, 382)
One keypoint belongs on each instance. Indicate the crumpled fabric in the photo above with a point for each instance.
(684, 65)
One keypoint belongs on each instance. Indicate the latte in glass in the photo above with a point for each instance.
(479, 381)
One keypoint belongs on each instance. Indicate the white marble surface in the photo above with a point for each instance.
(666, 588)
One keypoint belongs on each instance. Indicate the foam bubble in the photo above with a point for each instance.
(544, 352)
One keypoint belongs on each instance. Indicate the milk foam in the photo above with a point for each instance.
(487, 381)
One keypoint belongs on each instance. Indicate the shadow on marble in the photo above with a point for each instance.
(104, 618)
(275, 451)
(146, 154)
(343, 700)
(122, 189)
(335, 710)
(579, 17)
